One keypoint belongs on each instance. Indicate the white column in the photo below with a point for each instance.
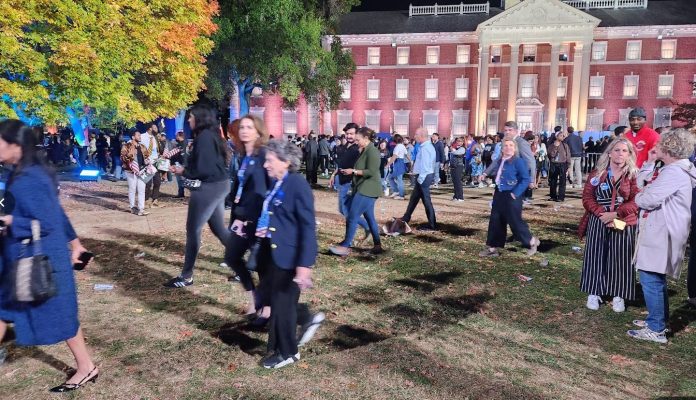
(584, 88)
(482, 99)
(575, 89)
(553, 88)
(512, 88)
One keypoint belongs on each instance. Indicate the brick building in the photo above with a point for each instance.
(469, 68)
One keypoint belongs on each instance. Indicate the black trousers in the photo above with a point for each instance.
(311, 172)
(421, 191)
(457, 173)
(324, 163)
(235, 249)
(286, 312)
(152, 188)
(557, 180)
(691, 275)
(507, 211)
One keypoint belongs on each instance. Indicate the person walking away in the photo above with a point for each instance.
(135, 158)
(37, 207)
(511, 179)
(560, 159)
(311, 158)
(324, 154)
(207, 173)
(642, 137)
(366, 189)
(610, 220)
(665, 211)
(574, 142)
(457, 155)
(384, 173)
(398, 164)
(424, 172)
(288, 251)
(439, 157)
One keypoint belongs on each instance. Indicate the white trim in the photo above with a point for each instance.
(640, 49)
(638, 62)
(431, 114)
(671, 86)
(435, 49)
(465, 49)
(490, 88)
(367, 87)
(408, 55)
(289, 119)
(662, 44)
(396, 91)
(378, 55)
(397, 125)
(436, 88)
(464, 116)
(629, 79)
(369, 114)
(465, 88)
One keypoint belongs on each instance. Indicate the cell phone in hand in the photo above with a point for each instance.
(84, 258)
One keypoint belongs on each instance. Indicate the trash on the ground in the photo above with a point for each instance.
(576, 249)
(140, 255)
(524, 278)
(544, 262)
(103, 287)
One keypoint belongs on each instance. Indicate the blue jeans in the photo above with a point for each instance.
(396, 182)
(180, 185)
(656, 300)
(361, 207)
(343, 200)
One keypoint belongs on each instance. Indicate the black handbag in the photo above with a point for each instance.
(32, 276)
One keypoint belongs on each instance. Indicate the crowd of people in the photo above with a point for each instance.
(638, 201)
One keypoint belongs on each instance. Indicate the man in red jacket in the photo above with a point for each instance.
(642, 137)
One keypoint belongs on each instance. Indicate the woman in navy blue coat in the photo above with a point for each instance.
(511, 181)
(288, 251)
(34, 189)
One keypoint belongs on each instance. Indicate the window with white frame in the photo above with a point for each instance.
(599, 51)
(527, 85)
(693, 87)
(460, 122)
(564, 52)
(494, 88)
(529, 53)
(313, 120)
(257, 111)
(492, 122)
(345, 89)
(401, 122)
(432, 55)
(373, 56)
(623, 116)
(496, 53)
(343, 117)
(430, 120)
(402, 54)
(461, 88)
(630, 87)
(665, 86)
(372, 119)
(561, 118)
(663, 117)
(463, 54)
(348, 50)
(373, 89)
(431, 89)
(595, 120)
(289, 121)
(402, 89)
(669, 49)
(562, 89)
(633, 49)
(596, 87)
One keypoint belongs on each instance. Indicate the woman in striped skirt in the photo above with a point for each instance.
(610, 219)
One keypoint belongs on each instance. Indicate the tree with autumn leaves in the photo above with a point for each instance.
(134, 59)
(285, 47)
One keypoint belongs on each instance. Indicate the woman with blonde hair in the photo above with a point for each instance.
(610, 220)
(249, 190)
(511, 180)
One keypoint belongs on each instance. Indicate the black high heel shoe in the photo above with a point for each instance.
(69, 387)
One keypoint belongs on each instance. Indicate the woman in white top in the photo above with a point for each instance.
(398, 163)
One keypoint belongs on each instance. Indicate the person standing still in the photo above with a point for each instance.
(439, 158)
(576, 146)
(559, 155)
(324, 154)
(152, 187)
(311, 158)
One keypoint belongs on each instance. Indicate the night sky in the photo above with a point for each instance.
(383, 5)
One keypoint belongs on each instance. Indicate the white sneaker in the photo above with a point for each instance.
(386, 192)
(649, 335)
(593, 302)
(618, 304)
(224, 265)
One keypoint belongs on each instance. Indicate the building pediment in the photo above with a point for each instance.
(537, 20)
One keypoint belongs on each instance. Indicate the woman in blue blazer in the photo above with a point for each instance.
(288, 251)
(34, 189)
(511, 180)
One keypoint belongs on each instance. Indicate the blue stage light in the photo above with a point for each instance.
(89, 175)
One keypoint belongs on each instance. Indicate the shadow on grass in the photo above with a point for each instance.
(436, 313)
(440, 277)
(346, 337)
(457, 230)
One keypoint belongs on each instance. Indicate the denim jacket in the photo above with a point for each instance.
(515, 176)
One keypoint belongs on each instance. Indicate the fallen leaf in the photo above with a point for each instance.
(303, 365)
(138, 310)
(409, 383)
(232, 368)
(620, 360)
(373, 366)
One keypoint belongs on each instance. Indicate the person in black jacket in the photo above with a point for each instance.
(247, 195)
(205, 167)
(180, 158)
(288, 251)
(311, 158)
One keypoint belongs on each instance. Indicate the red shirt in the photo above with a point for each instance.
(643, 141)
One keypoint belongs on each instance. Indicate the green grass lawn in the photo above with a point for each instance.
(427, 320)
